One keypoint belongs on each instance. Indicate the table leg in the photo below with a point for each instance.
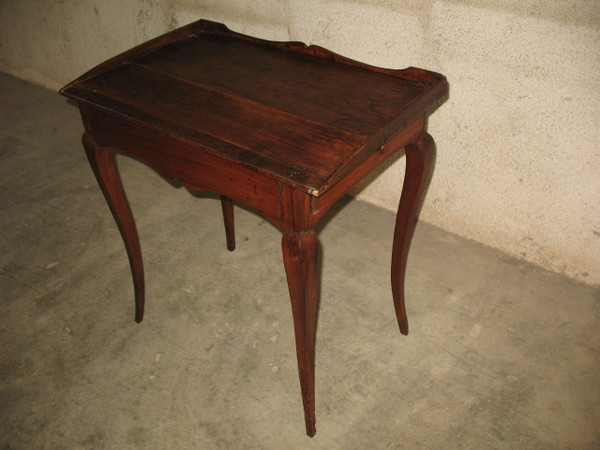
(419, 166)
(103, 165)
(227, 207)
(300, 258)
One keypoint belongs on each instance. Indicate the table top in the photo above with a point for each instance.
(301, 114)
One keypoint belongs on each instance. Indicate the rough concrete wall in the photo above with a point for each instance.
(51, 42)
(518, 140)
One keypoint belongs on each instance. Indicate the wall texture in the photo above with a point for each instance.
(518, 163)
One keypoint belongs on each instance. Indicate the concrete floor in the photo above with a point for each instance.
(501, 354)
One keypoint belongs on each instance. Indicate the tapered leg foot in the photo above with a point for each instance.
(227, 207)
(419, 166)
(103, 165)
(300, 257)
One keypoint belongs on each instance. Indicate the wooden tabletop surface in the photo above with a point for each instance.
(302, 114)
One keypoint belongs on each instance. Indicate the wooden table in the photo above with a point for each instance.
(282, 128)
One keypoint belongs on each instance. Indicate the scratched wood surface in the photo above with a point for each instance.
(302, 114)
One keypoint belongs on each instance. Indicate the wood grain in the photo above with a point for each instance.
(280, 127)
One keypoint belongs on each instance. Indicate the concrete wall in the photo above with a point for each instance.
(518, 163)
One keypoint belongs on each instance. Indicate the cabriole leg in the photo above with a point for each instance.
(419, 166)
(227, 207)
(300, 258)
(103, 164)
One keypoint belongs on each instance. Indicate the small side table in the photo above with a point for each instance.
(280, 127)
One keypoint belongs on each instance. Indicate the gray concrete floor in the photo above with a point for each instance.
(501, 354)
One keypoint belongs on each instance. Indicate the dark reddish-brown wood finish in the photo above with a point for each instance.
(420, 157)
(102, 161)
(299, 258)
(227, 207)
(280, 127)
